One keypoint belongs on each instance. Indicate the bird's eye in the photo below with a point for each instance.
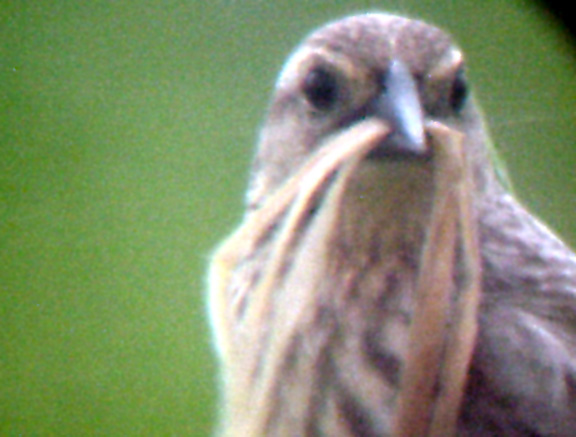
(459, 91)
(321, 88)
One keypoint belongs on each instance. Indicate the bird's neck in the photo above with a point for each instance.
(343, 305)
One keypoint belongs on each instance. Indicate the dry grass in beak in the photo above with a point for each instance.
(339, 151)
(444, 326)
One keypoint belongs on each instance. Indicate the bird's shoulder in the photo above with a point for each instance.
(523, 375)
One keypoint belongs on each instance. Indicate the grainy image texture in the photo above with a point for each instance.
(312, 298)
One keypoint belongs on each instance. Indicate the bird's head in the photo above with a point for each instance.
(404, 72)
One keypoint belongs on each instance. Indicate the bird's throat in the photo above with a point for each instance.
(344, 290)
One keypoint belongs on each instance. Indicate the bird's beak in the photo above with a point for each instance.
(400, 107)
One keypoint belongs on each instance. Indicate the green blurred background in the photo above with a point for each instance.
(126, 130)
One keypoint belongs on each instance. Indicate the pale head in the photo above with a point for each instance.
(404, 71)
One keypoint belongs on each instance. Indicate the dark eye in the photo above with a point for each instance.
(321, 88)
(459, 91)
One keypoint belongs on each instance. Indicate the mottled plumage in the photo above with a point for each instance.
(312, 298)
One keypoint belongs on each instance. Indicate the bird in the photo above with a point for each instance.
(373, 133)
